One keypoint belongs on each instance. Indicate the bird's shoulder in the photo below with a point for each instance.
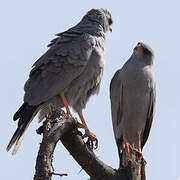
(74, 46)
(131, 75)
(69, 49)
(116, 79)
(135, 69)
(70, 36)
(76, 41)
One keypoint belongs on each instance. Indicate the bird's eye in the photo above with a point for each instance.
(146, 51)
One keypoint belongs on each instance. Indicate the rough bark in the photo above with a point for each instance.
(59, 127)
(133, 165)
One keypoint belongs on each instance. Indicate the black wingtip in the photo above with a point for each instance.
(20, 112)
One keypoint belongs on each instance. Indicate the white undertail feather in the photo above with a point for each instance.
(46, 108)
(18, 142)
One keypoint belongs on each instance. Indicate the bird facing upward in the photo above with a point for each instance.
(67, 74)
(133, 96)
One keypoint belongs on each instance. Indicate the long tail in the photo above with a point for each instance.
(25, 114)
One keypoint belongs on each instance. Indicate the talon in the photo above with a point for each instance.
(79, 125)
(92, 137)
(69, 115)
(126, 145)
(88, 134)
(139, 152)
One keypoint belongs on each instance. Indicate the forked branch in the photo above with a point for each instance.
(58, 126)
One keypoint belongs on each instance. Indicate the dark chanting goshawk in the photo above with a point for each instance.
(67, 74)
(133, 96)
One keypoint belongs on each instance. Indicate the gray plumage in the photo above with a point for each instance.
(73, 65)
(133, 95)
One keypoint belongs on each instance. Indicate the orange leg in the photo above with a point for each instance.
(87, 132)
(139, 145)
(66, 104)
(125, 144)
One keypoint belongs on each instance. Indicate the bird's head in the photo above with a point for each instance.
(102, 17)
(144, 52)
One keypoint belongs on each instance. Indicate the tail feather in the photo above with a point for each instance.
(13, 139)
(20, 138)
(25, 114)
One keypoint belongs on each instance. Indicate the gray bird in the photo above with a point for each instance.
(67, 74)
(133, 96)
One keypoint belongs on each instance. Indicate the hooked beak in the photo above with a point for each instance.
(110, 28)
(139, 48)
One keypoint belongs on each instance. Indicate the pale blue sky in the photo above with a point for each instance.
(26, 29)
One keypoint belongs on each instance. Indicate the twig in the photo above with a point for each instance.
(57, 174)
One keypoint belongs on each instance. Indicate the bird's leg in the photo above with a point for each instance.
(66, 104)
(87, 132)
(125, 144)
(139, 145)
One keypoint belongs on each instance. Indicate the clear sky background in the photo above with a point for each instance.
(26, 27)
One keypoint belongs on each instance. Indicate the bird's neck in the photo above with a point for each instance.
(90, 27)
(144, 61)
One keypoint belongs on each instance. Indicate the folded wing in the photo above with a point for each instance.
(56, 69)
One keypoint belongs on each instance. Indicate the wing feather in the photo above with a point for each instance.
(58, 67)
(116, 93)
(150, 116)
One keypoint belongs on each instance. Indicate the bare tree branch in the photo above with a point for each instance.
(59, 127)
(133, 165)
